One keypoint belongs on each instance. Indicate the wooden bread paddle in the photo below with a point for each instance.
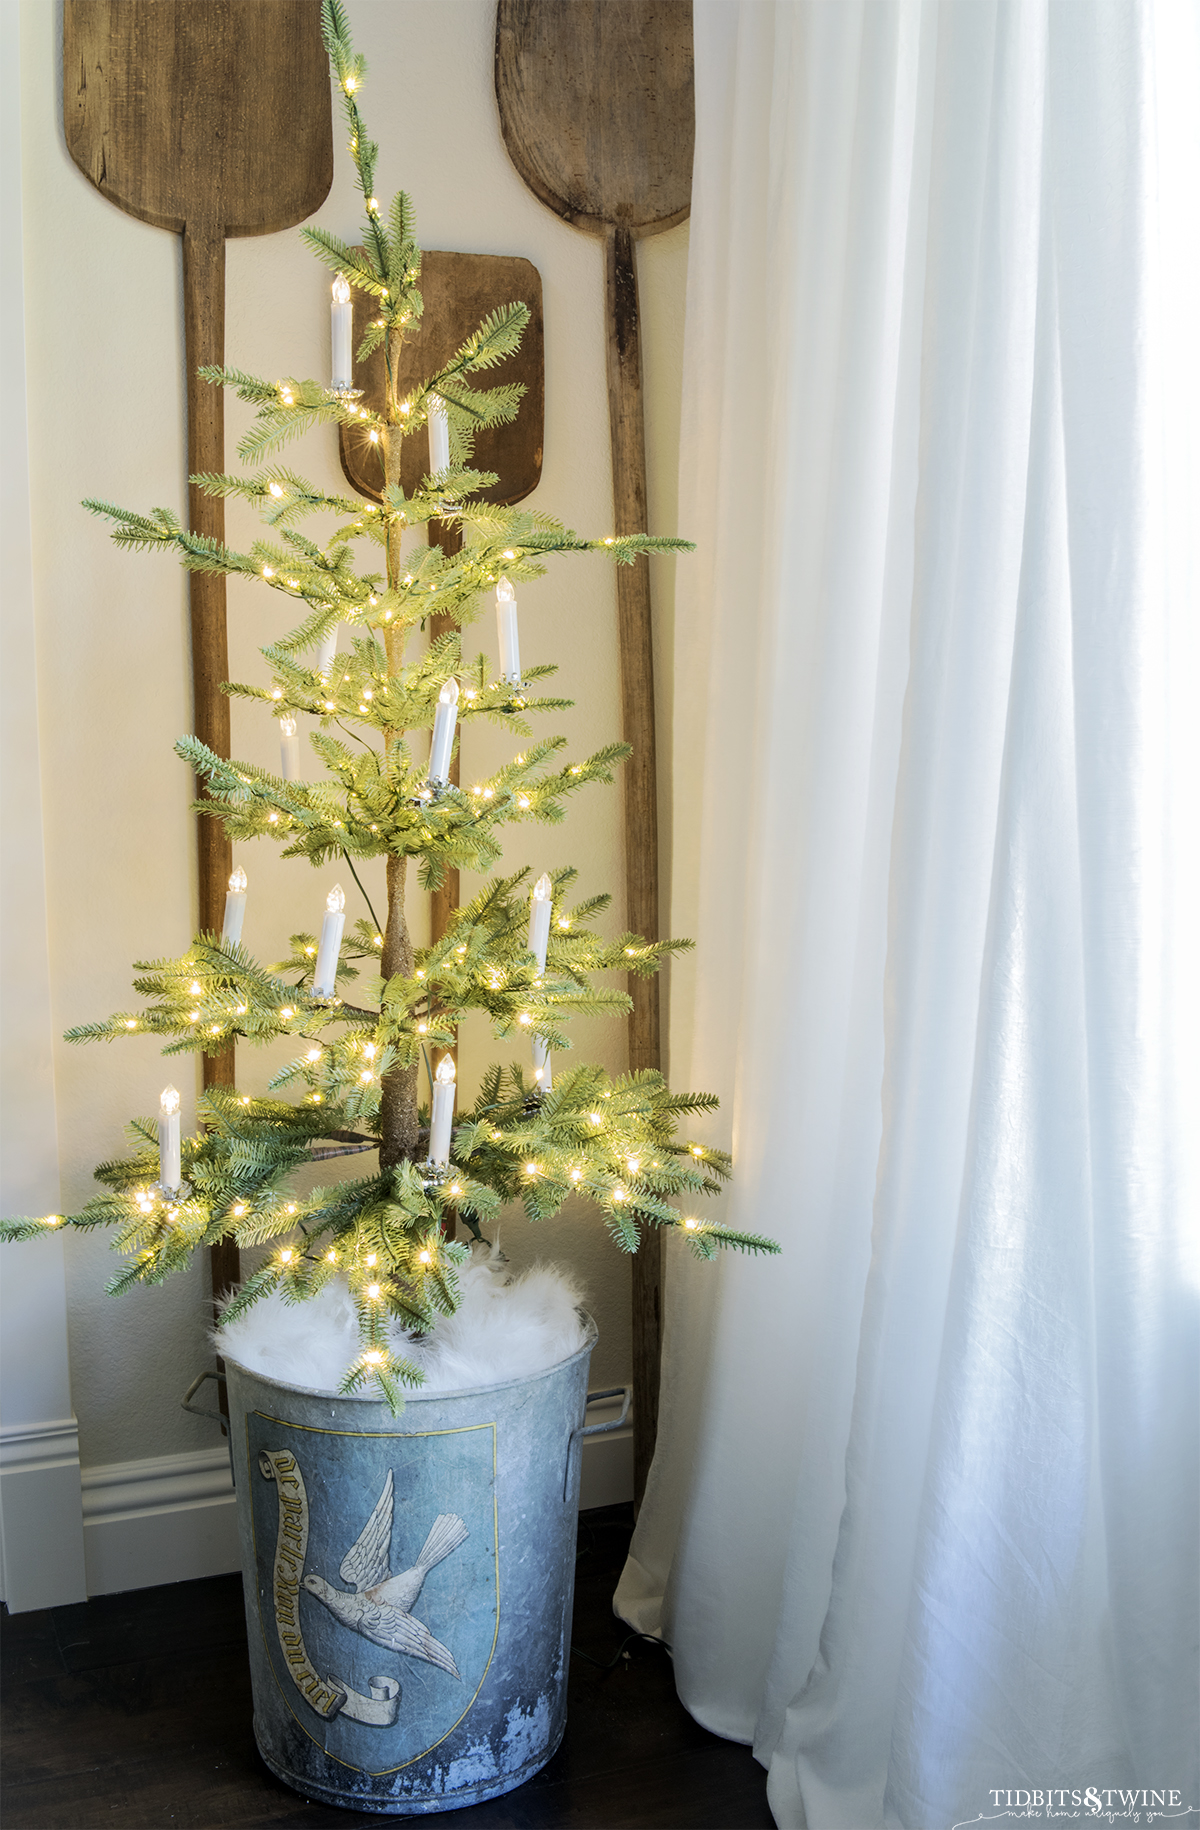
(598, 115)
(209, 118)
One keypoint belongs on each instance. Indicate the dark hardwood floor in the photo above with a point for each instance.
(133, 1711)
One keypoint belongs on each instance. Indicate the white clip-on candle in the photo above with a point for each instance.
(326, 650)
(325, 975)
(444, 722)
(235, 907)
(442, 1115)
(541, 903)
(170, 1173)
(341, 315)
(439, 436)
(506, 629)
(289, 749)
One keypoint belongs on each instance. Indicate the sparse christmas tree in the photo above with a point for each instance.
(369, 1016)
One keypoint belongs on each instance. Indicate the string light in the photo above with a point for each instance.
(595, 1118)
(424, 1258)
(691, 1225)
(373, 1292)
(373, 1357)
(131, 1022)
(372, 1260)
(331, 1257)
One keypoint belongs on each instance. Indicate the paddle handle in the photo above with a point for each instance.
(640, 782)
(204, 342)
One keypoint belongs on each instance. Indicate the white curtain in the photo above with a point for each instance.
(922, 1521)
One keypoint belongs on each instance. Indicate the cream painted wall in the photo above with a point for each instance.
(104, 354)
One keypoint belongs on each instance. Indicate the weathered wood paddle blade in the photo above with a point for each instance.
(459, 291)
(209, 118)
(598, 114)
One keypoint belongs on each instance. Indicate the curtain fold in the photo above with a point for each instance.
(922, 1521)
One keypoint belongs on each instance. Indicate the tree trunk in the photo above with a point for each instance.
(399, 1123)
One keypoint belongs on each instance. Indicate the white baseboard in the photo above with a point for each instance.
(169, 1518)
(172, 1518)
(41, 1535)
(607, 1474)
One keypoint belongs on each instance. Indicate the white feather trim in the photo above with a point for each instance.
(502, 1330)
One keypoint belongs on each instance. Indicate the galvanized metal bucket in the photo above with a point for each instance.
(409, 1583)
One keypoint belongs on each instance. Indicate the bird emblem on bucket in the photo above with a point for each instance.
(380, 1605)
(379, 1633)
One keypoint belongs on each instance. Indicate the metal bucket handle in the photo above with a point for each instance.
(625, 1393)
(198, 1410)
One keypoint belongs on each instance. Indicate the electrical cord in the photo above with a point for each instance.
(619, 1654)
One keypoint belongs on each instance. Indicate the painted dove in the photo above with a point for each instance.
(380, 1608)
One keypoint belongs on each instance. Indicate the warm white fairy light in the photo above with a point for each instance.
(373, 1292)
(424, 1257)
(691, 1225)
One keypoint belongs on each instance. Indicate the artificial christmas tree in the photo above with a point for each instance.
(361, 1057)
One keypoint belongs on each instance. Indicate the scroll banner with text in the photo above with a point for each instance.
(328, 1696)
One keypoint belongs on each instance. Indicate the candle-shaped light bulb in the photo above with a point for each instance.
(235, 910)
(506, 628)
(325, 974)
(289, 749)
(442, 1115)
(439, 436)
(445, 719)
(170, 1174)
(541, 904)
(326, 649)
(341, 317)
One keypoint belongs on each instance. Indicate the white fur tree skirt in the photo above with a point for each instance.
(504, 1329)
